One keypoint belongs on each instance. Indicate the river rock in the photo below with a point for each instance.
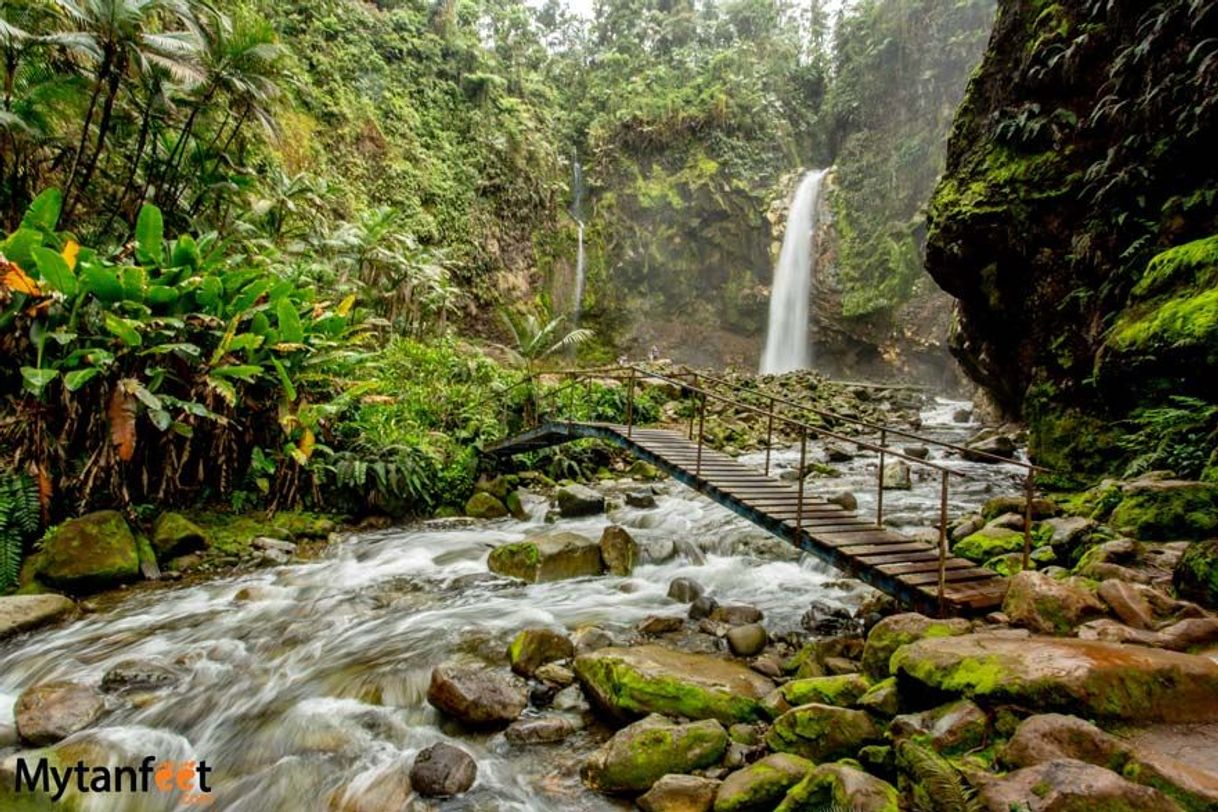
(629, 682)
(918, 452)
(737, 614)
(19, 613)
(846, 500)
(685, 590)
(989, 542)
(1000, 505)
(94, 552)
(704, 606)
(173, 535)
(641, 754)
(822, 732)
(841, 690)
(1067, 785)
(838, 452)
(951, 728)
(441, 771)
(483, 505)
(548, 557)
(882, 700)
(1167, 510)
(619, 552)
(965, 526)
(841, 786)
(895, 631)
(1049, 606)
(661, 624)
(985, 450)
(641, 499)
(138, 675)
(747, 640)
(555, 674)
(762, 785)
(51, 711)
(578, 500)
(533, 648)
(539, 730)
(897, 476)
(679, 793)
(826, 619)
(1128, 602)
(1196, 575)
(1101, 680)
(476, 697)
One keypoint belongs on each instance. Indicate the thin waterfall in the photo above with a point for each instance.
(577, 213)
(787, 344)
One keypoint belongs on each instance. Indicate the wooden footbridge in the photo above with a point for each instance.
(921, 575)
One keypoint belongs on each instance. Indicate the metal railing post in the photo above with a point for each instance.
(630, 404)
(701, 433)
(1029, 486)
(769, 436)
(803, 461)
(942, 543)
(879, 491)
(694, 391)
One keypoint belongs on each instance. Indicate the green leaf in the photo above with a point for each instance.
(144, 396)
(245, 341)
(134, 282)
(124, 329)
(260, 324)
(224, 388)
(178, 347)
(160, 418)
(102, 283)
(20, 245)
(55, 271)
(79, 377)
(161, 295)
(185, 253)
(288, 389)
(43, 213)
(291, 331)
(210, 292)
(37, 379)
(242, 372)
(150, 235)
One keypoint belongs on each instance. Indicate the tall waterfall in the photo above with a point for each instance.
(577, 212)
(786, 342)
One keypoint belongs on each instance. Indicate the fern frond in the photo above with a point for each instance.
(938, 786)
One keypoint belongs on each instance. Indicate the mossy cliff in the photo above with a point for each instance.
(1075, 224)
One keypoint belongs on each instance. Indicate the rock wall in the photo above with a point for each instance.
(1082, 153)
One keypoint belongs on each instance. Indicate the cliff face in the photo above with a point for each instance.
(1084, 150)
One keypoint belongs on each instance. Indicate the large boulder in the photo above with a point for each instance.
(630, 682)
(1067, 785)
(548, 557)
(1102, 680)
(483, 505)
(998, 505)
(641, 754)
(898, 630)
(989, 542)
(762, 785)
(578, 500)
(822, 732)
(442, 771)
(51, 711)
(476, 697)
(951, 728)
(1167, 510)
(680, 793)
(19, 613)
(1050, 606)
(173, 535)
(841, 786)
(619, 550)
(842, 690)
(1196, 575)
(533, 648)
(94, 552)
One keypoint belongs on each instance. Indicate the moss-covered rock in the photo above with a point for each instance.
(533, 648)
(173, 534)
(548, 557)
(842, 690)
(96, 551)
(988, 543)
(1167, 510)
(841, 786)
(998, 505)
(483, 505)
(897, 630)
(952, 728)
(619, 550)
(639, 755)
(1196, 574)
(883, 699)
(760, 786)
(820, 732)
(628, 682)
(1048, 605)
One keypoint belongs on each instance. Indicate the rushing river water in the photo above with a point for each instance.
(303, 686)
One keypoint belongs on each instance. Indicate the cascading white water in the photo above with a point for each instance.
(577, 212)
(579, 274)
(786, 343)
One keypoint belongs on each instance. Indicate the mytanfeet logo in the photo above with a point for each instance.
(185, 778)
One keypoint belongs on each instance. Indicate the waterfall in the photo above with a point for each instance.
(577, 213)
(787, 342)
(579, 273)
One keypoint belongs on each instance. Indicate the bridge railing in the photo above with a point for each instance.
(544, 403)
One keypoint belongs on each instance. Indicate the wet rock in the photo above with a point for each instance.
(1128, 603)
(657, 550)
(691, 552)
(571, 699)
(619, 552)
(19, 613)
(269, 544)
(184, 563)
(533, 648)
(841, 690)
(547, 557)
(747, 640)
(539, 730)
(918, 452)
(173, 535)
(1196, 575)
(704, 606)
(515, 505)
(591, 638)
(985, 450)
(964, 527)
(822, 732)
(685, 590)
(882, 699)
(641, 754)
(659, 624)
(628, 682)
(767, 665)
(483, 505)
(761, 786)
(476, 697)
(50, 711)
(952, 728)
(138, 675)
(1067, 785)
(897, 476)
(679, 793)
(989, 542)
(1101, 680)
(641, 499)
(846, 500)
(1007, 521)
(824, 619)
(1067, 532)
(441, 771)
(578, 500)
(841, 785)
(838, 452)
(94, 552)
(1049, 606)
(999, 505)
(1166, 510)
(555, 674)
(898, 630)
(737, 614)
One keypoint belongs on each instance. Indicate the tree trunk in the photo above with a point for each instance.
(103, 129)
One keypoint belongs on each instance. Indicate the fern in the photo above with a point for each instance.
(1178, 437)
(937, 785)
(19, 520)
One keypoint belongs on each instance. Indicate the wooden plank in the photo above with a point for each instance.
(914, 567)
(876, 559)
(955, 576)
(877, 548)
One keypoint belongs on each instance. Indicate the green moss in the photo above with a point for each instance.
(231, 534)
(1168, 513)
(988, 543)
(1196, 577)
(762, 785)
(483, 505)
(93, 552)
(636, 693)
(971, 676)
(842, 690)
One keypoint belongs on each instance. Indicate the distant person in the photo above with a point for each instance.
(654, 355)
(622, 360)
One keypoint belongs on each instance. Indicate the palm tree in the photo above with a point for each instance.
(536, 334)
(120, 33)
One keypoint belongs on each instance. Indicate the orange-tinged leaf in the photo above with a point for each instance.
(307, 443)
(122, 422)
(70, 252)
(15, 279)
(46, 490)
